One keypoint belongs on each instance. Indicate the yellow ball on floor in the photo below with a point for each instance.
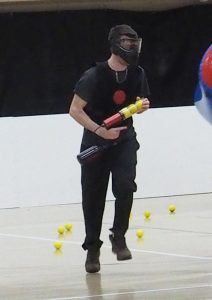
(147, 214)
(68, 226)
(140, 233)
(172, 208)
(58, 245)
(60, 229)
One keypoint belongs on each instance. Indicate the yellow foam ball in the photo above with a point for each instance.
(172, 208)
(68, 226)
(147, 214)
(140, 233)
(58, 245)
(60, 229)
(126, 112)
(133, 108)
(139, 103)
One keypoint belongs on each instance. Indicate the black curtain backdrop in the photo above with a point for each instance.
(42, 55)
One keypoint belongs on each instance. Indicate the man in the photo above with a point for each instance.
(102, 91)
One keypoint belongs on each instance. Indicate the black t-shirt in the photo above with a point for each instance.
(106, 92)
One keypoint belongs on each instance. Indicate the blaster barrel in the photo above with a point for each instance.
(109, 122)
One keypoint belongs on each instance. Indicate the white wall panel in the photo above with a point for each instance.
(38, 163)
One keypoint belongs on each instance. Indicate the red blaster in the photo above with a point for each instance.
(123, 114)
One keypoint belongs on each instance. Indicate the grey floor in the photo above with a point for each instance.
(172, 261)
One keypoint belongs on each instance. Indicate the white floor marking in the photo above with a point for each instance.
(105, 246)
(18, 236)
(136, 292)
(172, 254)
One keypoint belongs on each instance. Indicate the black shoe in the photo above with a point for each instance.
(119, 247)
(92, 264)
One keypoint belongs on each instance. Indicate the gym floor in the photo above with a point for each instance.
(172, 261)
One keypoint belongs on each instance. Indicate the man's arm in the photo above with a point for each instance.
(77, 112)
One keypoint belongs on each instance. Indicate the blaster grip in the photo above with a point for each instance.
(89, 154)
(92, 153)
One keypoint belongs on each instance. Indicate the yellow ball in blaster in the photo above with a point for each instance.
(138, 104)
(126, 112)
(133, 108)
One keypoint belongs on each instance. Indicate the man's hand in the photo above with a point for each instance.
(145, 105)
(110, 134)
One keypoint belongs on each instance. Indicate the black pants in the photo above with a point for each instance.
(120, 161)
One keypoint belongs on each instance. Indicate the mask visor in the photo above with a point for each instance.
(129, 44)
